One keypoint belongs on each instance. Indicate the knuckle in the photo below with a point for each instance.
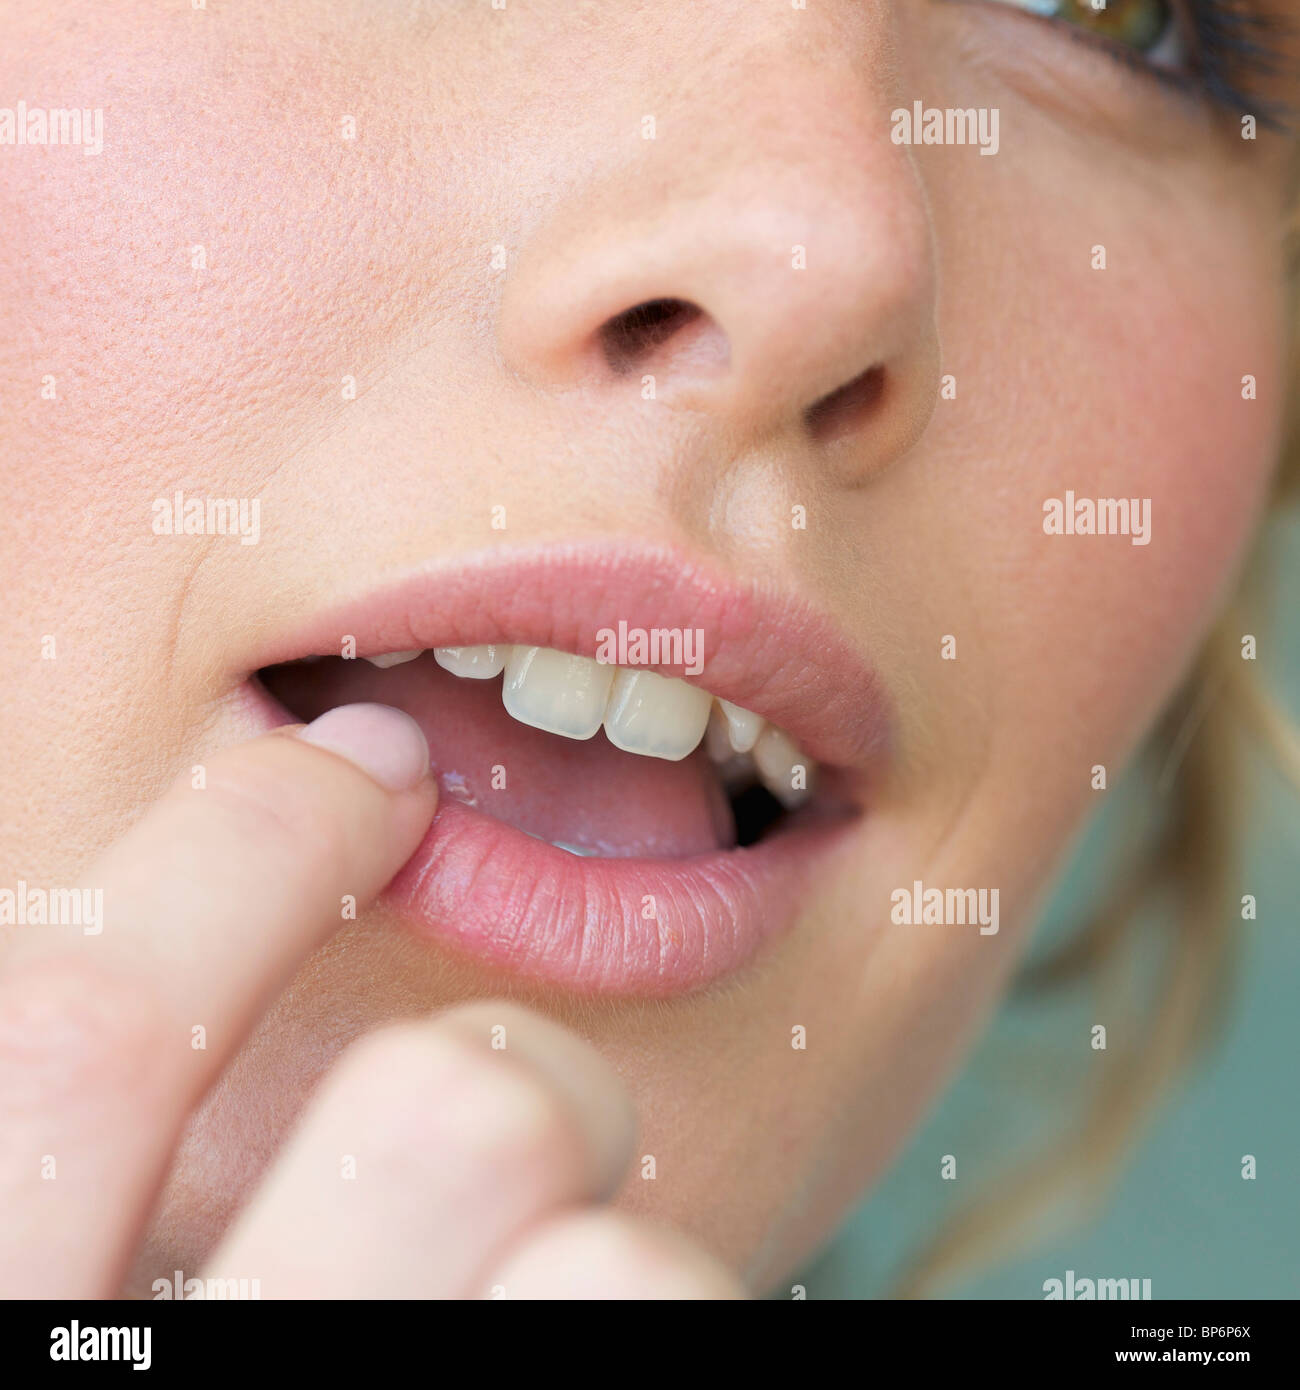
(481, 1115)
(73, 1032)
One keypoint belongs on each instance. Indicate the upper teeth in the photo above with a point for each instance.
(557, 692)
(655, 715)
(480, 663)
(393, 659)
(642, 712)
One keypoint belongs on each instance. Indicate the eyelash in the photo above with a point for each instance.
(1230, 51)
(1233, 47)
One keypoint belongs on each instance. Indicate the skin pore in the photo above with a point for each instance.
(349, 171)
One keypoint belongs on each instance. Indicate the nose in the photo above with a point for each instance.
(770, 265)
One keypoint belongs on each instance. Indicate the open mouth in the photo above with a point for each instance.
(597, 760)
(610, 828)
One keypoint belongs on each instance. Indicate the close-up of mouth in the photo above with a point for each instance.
(647, 658)
(606, 825)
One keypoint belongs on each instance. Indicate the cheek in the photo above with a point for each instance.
(1122, 382)
(195, 294)
(170, 367)
(226, 261)
(1165, 421)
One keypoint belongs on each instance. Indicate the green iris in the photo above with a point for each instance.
(1137, 24)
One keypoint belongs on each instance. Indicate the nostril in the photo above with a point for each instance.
(631, 337)
(847, 407)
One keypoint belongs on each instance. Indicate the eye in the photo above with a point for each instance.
(1229, 52)
(1152, 30)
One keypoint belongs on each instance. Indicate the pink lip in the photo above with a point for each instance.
(648, 927)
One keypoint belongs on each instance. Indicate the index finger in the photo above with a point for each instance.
(209, 903)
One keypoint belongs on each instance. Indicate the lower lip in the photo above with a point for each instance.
(644, 927)
(650, 928)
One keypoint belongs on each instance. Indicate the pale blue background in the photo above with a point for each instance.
(1182, 1215)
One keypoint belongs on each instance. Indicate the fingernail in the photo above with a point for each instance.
(383, 742)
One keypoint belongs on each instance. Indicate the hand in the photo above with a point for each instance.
(478, 1171)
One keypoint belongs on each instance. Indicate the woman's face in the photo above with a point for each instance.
(369, 265)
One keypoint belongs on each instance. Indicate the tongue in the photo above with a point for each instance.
(587, 796)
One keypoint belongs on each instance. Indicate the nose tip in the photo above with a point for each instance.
(793, 308)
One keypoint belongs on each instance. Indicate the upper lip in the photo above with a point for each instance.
(764, 650)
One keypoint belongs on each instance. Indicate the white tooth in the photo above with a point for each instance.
(735, 770)
(717, 741)
(478, 663)
(655, 715)
(557, 692)
(743, 726)
(388, 659)
(779, 762)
